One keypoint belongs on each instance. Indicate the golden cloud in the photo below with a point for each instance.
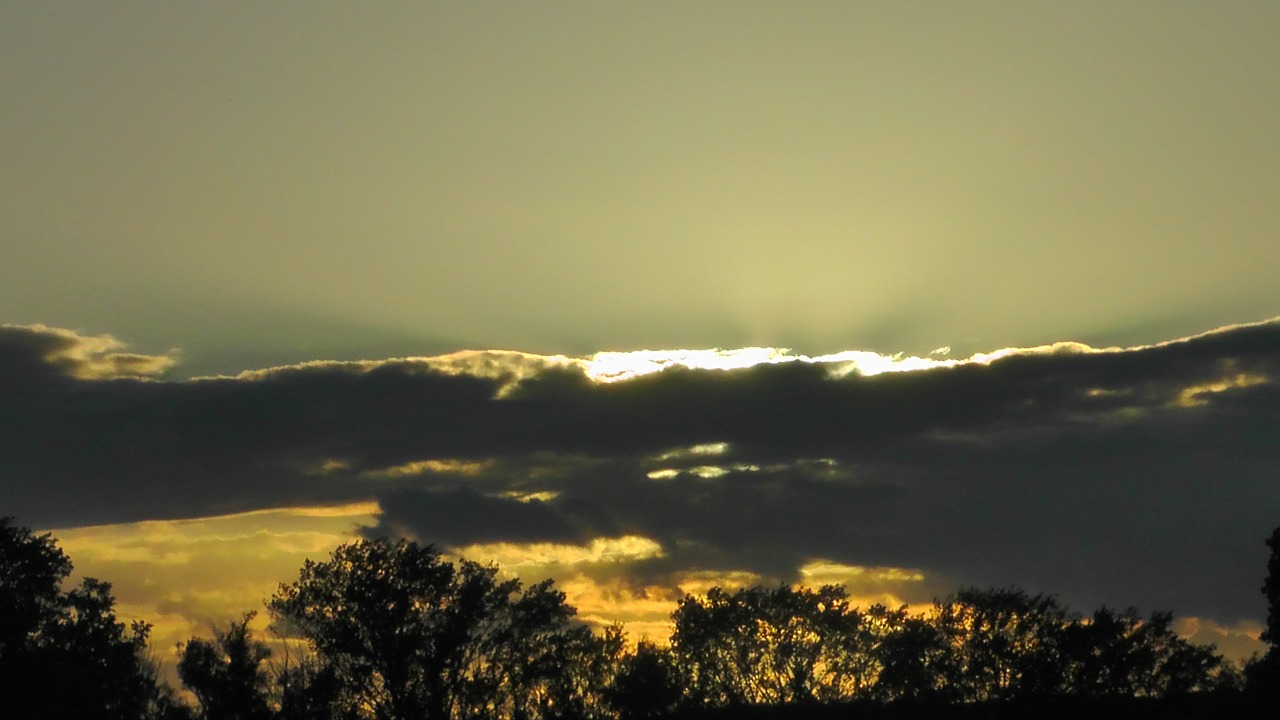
(517, 557)
(96, 357)
(186, 576)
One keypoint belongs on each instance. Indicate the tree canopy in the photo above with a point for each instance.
(406, 634)
(391, 630)
(64, 654)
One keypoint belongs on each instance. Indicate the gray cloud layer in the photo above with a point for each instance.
(1142, 476)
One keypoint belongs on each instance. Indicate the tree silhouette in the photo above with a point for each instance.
(405, 633)
(914, 655)
(1271, 589)
(1264, 672)
(1012, 645)
(227, 674)
(31, 572)
(1006, 643)
(64, 654)
(762, 645)
(1105, 656)
(647, 684)
(393, 631)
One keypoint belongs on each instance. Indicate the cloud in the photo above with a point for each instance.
(42, 350)
(1127, 476)
(542, 555)
(187, 576)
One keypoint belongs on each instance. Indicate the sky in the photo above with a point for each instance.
(932, 294)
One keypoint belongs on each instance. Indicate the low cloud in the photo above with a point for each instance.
(1126, 476)
(40, 349)
(187, 576)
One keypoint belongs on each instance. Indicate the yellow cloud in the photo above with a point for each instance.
(448, 466)
(868, 585)
(717, 448)
(97, 357)
(698, 582)
(517, 557)
(509, 366)
(185, 576)
(1193, 396)
(644, 613)
(528, 497)
(589, 576)
(1236, 642)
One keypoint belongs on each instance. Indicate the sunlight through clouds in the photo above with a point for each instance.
(644, 613)
(185, 576)
(618, 366)
(520, 556)
(1194, 396)
(718, 448)
(771, 475)
(93, 357)
(591, 576)
(1239, 640)
(424, 467)
(646, 299)
(888, 586)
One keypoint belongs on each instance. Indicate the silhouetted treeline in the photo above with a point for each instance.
(390, 630)
(63, 654)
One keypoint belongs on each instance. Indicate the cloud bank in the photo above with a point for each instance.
(1125, 476)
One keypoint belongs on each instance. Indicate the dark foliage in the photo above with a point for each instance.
(399, 632)
(1263, 674)
(389, 630)
(1271, 589)
(64, 654)
(227, 674)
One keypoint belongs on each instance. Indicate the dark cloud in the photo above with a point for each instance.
(1141, 476)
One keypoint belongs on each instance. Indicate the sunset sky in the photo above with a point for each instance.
(648, 297)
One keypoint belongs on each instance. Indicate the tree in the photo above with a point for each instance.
(1174, 666)
(647, 685)
(1264, 672)
(227, 674)
(779, 645)
(1105, 656)
(1011, 645)
(915, 657)
(65, 654)
(1006, 643)
(403, 633)
(31, 572)
(1271, 589)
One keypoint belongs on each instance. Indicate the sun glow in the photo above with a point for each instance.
(186, 576)
(889, 586)
(608, 367)
(516, 556)
(1194, 396)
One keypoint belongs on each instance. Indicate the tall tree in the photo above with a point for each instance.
(647, 684)
(65, 654)
(915, 658)
(771, 645)
(1271, 589)
(1006, 642)
(1264, 672)
(227, 674)
(408, 634)
(32, 568)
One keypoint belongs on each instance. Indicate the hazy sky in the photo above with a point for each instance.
(226, 187)
(268, 182)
